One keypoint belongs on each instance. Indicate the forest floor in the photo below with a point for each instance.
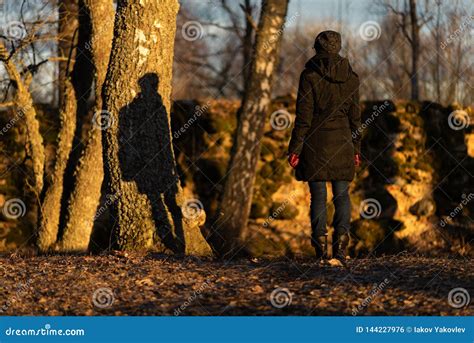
(150, 284)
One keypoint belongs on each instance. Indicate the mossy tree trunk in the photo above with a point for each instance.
(81, 73)
(84, 200)
(24, 104)
(234, 210)
(139, 161)
(68, 25)
(50, 209)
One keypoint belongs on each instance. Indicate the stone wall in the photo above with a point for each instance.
(414, 192)
(396, 194)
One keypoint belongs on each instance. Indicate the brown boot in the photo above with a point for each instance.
(340, 246)
(320, 246)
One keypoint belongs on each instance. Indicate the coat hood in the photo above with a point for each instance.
(332, 67)
(327, 62)
(328, 42)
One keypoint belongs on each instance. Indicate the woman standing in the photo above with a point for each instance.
(325, 142)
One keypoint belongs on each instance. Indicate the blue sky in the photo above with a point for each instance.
(352, 12)
(349, 11)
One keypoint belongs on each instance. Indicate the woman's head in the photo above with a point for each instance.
(328, 42)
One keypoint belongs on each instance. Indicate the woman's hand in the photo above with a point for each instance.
(293, 159)
(357, 160)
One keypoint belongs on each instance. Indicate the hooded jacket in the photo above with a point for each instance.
(326, 133)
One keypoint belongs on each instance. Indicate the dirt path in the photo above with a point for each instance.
(150, 284)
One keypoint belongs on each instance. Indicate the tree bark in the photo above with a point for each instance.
(139, 161)
(24, 104)
(438, 51)
(247, 43)
(81, 76)
(234, 210)
(68, 25)
(415, 47)
(50, 209)
(89, 173)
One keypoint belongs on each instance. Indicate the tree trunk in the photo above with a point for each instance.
(139, 160)
(24, 104)
(438, 52)
(81, 76)
(51, 203)
(415, 47)
(247, 43)
(68, 25)
(89, 174)
(234, 210)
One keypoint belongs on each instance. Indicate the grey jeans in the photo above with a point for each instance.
(318, 211)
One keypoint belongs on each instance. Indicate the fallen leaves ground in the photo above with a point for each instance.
(150, 284)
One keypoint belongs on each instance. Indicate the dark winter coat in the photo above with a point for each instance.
(326, 133)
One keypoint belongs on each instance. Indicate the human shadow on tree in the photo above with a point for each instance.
(146, 158)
